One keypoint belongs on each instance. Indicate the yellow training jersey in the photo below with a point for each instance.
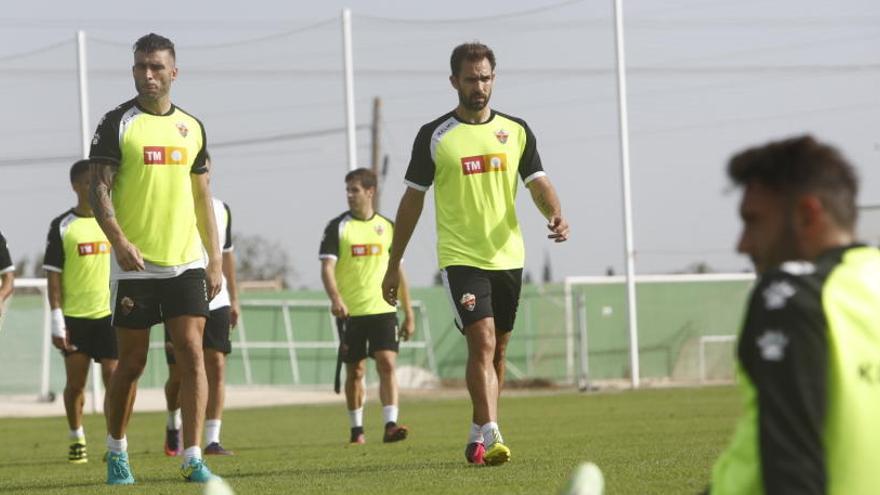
(152, 193)
(78, 249)
(474, 170)
(361, 250)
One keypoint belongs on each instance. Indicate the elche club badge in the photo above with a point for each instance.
(468, 301)
(182, 129)
(501, 134)
(379, 229)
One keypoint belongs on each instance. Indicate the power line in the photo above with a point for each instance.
(36, 51)
(462, 20)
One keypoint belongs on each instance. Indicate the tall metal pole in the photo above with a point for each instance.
(627, 197)
(349, 90)
(375, 132)
(83, 92)
(82, 73)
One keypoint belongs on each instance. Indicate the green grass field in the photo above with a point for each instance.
(650, 441)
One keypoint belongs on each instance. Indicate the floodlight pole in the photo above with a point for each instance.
(627, 195)
(82, 73)
(349, 90)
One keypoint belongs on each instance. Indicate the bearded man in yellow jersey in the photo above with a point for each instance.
(474, 156)
(151, 197)
(77, 264)
(354, 253)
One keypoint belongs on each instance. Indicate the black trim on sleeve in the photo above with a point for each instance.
(54, 255)
(330, 240)
(421, 167)
(105, 142)
(5, 258)
(227, 246)
(784, 349)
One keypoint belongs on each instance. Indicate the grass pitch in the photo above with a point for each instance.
(650, 441)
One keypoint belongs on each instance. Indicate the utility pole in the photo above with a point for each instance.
(375, 151)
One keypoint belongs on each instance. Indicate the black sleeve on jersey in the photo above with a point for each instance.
(421, 166)
(5, 259)
(54, 256)
(228, 245)
(105, 143)
(330, 240)
(791, 385)
(530, 162)
(200, 164)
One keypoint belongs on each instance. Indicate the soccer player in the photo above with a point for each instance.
(7, 275)
(354, 253)
(77, 264)
(473, 156)
(216, 345)
(809, 349)
(151, 198)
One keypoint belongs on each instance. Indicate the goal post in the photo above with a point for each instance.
(674, 311)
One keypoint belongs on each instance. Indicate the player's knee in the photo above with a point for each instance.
(385, 366)
(132, 368)
(355, 371)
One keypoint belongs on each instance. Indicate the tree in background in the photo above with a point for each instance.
(258, 258)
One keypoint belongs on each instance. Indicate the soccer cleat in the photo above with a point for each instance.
(77, 453)
(357, 436)
(172, 442)
(394, 432)
(197, 471)
(496, 452)
(118, 470)
(474, 453)
(214, 448)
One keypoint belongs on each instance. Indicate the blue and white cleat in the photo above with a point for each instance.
(197, 471)
(118, 470)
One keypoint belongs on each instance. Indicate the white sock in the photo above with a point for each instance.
(491, 433)
(77, 434)
(174, 421)
(194, 452)
(356, 417)
(476, 435)
(117, 446)
(212, 431)
(389, 414)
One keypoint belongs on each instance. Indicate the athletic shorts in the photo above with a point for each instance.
(95, 338)
(142, 303)
(379, 331)
(216, 334)
(476, 294)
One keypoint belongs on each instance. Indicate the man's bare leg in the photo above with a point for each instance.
(186, 335)
(354, 398)
(133, 345)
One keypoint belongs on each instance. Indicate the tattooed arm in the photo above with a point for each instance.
(544, 196)
(127, 255)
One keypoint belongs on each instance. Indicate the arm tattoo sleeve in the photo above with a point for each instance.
(103, 175)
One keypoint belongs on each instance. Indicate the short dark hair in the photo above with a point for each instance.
(473, 52)
(801, 165)
(363, 175)
(78, 168)
(153, 42)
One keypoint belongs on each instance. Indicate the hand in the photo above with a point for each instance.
(559, 227)
(234, 311)
(128, 256)
(213, 278)
(63, 344)
(407, 329)
(390, 284)
(338, 308)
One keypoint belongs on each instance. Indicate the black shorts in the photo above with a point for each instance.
(142, 303)
(476, 294)
(380, 331)
(216, 334)
(95, 338)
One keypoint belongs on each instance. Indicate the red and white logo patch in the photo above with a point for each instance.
(379, 229)
(468, 301)
(501, 134)
(181, 128)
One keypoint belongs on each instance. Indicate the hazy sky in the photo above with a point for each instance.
(706, 78)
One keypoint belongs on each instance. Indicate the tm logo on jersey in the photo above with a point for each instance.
(495, 162)
(358, 250)
(90, 248)
(164, 155)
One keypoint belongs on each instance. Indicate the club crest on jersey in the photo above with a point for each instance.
(468, 301)
(126, 305)
(501, 134)
(181, 128)
(379, 229)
